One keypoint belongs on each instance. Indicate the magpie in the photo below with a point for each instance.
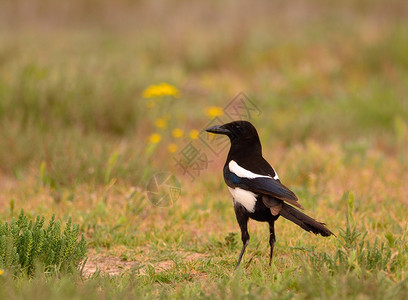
(256, 188)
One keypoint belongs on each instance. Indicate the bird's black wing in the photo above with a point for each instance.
(263, 184)
(270, 187)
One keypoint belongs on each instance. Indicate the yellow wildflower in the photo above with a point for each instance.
(194, 134)
(155, 138)
(159, 90)
(172, 148)
(1, 272)
(161, 123)
(177, 133)
(215, 111)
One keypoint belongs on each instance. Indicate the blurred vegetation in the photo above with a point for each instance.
(71, 96)
(96, 96)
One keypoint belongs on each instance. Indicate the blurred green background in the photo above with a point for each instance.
(72, 76)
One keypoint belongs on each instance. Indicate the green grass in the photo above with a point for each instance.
(27, 248)
(331, 81)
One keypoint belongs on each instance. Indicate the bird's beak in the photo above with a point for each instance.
(218, 129)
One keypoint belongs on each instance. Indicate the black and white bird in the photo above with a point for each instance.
(255, 186)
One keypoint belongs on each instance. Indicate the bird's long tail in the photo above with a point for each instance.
(304, 221)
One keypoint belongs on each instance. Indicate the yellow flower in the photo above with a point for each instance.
(172, 148)
(177, 133)
(1, 272)
(215, 111)
(161, 123)
(159, 90)
(194, 134)
(154, 138)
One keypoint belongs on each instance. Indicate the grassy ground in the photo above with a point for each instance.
(331, 82)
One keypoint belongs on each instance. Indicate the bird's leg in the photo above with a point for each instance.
(271, 239)
(245, 244)
(243, 224)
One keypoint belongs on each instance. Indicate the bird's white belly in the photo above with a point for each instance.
(246, 198)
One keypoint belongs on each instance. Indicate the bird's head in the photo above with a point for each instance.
(237, 131)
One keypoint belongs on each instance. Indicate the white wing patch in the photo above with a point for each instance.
(241, 172)
(246, 198)
(276, 177)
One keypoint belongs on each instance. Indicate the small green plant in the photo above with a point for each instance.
(230, 242)
(25, 246)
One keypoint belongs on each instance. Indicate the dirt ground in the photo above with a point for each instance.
(111, 265)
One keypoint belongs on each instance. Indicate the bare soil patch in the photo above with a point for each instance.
(114, 265)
